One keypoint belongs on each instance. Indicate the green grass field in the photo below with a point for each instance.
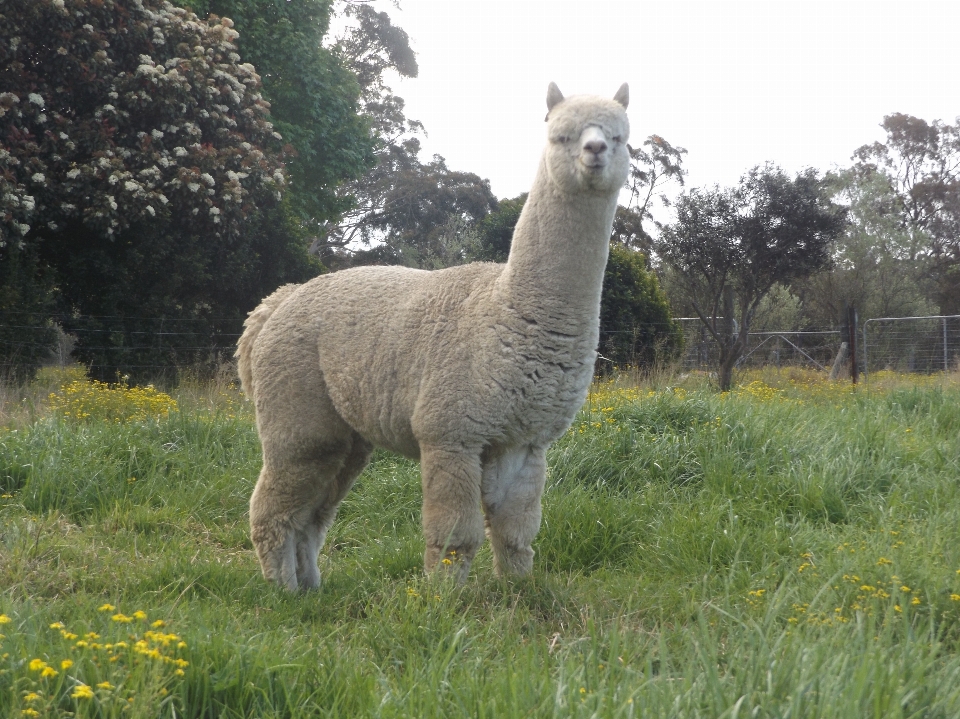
(788, 549)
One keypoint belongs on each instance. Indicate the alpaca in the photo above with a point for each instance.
(474, 370)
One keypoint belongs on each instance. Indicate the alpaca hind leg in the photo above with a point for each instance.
(288, 497)
(452, 521)
(306, 445)
(311, 538)
(512, 487)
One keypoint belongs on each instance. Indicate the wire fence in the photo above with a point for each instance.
(161, 347)
(912, 344)
(112, 346)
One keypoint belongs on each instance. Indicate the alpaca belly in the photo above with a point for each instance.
(378, 414)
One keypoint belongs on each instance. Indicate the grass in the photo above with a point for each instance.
(791, 548)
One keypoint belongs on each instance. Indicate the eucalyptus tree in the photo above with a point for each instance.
(729, 247)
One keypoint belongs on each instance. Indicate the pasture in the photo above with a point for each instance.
(791, 548)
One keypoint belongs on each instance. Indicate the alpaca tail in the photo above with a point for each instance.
(252, 326)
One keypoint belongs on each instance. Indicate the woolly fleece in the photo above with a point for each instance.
(473, 370)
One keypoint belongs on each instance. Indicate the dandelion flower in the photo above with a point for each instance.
(48, 672)
(66, 664)
(4, 619)
(106, 608)
(37, 664)
(82, 691)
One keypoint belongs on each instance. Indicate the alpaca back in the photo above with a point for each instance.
(252, 326)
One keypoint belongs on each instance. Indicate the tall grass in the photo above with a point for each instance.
(791, 548)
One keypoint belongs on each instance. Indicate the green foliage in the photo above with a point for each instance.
(787, 548)
(918, 167)
(636, 327)
(314, 98)
(728, 248)
(878, 263)
(496, 229)
(141, 176)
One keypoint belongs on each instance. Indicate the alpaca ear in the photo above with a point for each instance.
(554, 96)
(623, 95)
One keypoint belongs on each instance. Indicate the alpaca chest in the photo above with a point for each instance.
(538, 384)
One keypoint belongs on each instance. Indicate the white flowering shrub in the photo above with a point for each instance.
(120, 111)
(140, 177)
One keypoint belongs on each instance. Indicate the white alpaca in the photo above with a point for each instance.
(474, 370)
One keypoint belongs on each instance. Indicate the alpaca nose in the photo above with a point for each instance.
(595, 146)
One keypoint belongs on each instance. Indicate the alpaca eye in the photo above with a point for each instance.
(563, 139)
(618, 139)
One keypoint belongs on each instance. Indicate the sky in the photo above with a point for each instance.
(801, 84)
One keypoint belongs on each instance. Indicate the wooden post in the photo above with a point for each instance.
(852, 340)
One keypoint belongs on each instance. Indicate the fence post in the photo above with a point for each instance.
(946, 360)
(852, 340)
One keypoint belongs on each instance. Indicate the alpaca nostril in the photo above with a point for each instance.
(595, 146)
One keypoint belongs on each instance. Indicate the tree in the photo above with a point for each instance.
(314, 96)
(653, 165)
(140, 174)
(496, 229)
(403, 210)
(921, 163)
(877, 261)
(728, 248)
(636, 327)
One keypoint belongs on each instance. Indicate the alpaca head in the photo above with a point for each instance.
(587, 148)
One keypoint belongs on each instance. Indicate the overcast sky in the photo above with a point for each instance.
(735, 83)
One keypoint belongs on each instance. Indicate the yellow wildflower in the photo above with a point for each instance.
(58, 625)
(955, 597)
(106, 608)
(105, 685)
(82, 691)
(4, 619)
(28, 712)
(37, 664)
(139, 614)
(66, 664)
(159, 623)
(31, 697)
(49, 672)
(122, 618)
(915, 601)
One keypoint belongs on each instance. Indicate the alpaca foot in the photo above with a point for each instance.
(512, 561)
(277, 551)
(308, 549)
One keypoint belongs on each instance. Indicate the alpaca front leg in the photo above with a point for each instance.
(512, 487)
(452, 521)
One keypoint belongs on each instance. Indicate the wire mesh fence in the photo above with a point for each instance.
(110, 346)
(161, 347)
(785, 348)
(912, 344)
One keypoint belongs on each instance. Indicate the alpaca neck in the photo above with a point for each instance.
(555, 270)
